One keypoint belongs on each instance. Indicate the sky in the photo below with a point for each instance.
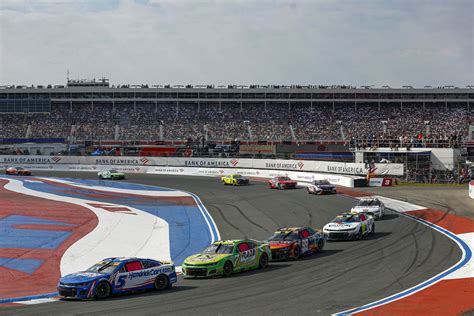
(329, 42)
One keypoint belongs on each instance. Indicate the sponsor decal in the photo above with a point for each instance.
(56, 159)
(145, 273)
(234, 162)
(300, 164)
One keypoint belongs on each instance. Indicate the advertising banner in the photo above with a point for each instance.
(360, 169)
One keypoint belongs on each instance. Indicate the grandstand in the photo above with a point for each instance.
(95, 110)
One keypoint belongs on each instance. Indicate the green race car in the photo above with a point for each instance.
(222, 258)
(111, 174)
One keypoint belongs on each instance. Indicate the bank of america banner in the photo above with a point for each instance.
(385, 169)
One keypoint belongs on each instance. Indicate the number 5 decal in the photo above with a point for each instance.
(121, 281)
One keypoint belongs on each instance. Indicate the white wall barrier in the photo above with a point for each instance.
(361, 169)
(471, 189)
(301, 176)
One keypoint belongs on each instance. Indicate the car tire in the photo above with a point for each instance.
(102, 290)
(263, 262)
(227, 269)
(360, 234)
(296, 253)
(279, 186)
(321, 244)
(162, 282)
(307, 189)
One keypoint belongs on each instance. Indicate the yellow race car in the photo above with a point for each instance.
(234, 179)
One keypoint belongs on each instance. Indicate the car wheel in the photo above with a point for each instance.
(321, 245)
(161, 282)
(307, 189)
(279, 186)
(102, 290)
(227, 270)
(360, 234)
(296, 253)
(263, 262)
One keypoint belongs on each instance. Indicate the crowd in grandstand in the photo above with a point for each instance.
(366, 126)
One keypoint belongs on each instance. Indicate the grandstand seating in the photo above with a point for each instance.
(277, 122)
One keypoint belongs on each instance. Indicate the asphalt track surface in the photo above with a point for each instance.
(401, 254)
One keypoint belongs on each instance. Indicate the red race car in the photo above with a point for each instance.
(293, 242)
(18, 171)
(281, 182)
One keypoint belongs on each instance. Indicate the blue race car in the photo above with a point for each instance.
(117, 275)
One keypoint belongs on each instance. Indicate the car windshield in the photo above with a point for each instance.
(284, 236)
(19, 168)
(284, 178)
(113, 171)
(103, 267)
(368, 203)
(346, 219)
(218, 249)
(236, 176)
(321, 182)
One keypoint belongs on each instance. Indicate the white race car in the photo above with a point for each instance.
(348, 226)
(372, 206)
(321, 187)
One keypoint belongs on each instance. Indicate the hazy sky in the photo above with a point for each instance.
(356, 42)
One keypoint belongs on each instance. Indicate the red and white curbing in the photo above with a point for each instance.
(452, 292)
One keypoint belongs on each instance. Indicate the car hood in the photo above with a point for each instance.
(205, 258)
(81, 277)
(365, 208)
(325, 186)
(341, 226)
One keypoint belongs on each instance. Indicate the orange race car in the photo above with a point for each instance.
(18, 171)
(292, 242)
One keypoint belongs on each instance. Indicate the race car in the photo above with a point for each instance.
(282, 182)
(349, 226)
(111, 174)
(372, 206)
(117, 275)
(293, 242)
(222, 258)
(320, 187)
(18, 171)
(234, 179)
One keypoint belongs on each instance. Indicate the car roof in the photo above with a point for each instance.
(230, 241)
(125, 259)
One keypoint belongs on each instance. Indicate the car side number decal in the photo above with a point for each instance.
(247, 256)
(304, 245)
(121, 281)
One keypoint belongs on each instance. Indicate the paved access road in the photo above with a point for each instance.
(400, 254)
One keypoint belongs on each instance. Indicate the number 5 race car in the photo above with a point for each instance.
(320, 187)
(117, 275)
(234, 179)
(18, 171)
(293, 242)
(350, 226)
(111, 174)
(222, 258)
(373, 206)
(281, 182)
